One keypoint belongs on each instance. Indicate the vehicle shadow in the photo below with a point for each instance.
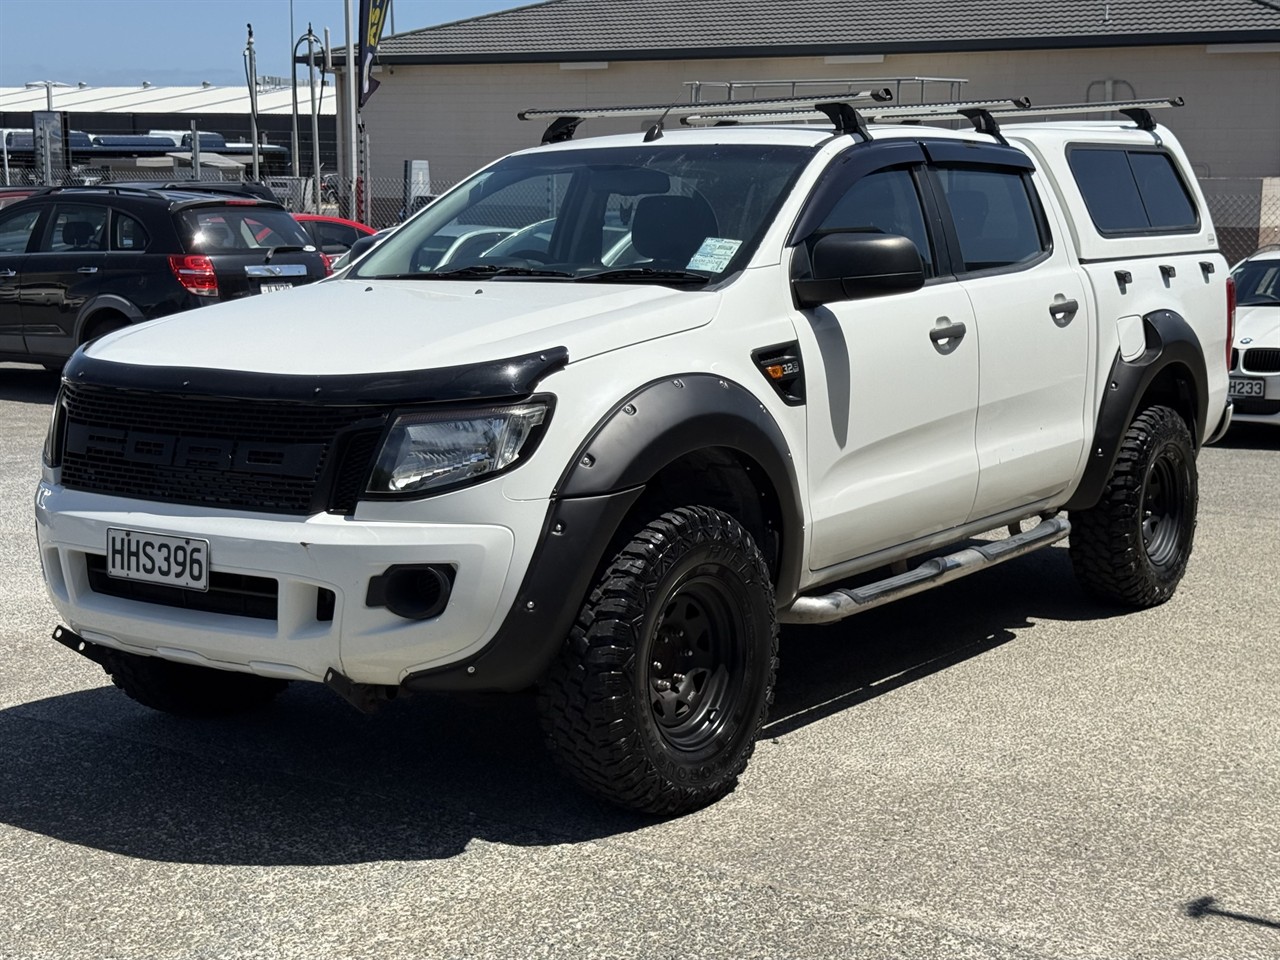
(1250, 436)
(827, 669)
(309, 781)
(21, 383)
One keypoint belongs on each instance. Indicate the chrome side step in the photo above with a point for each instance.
(830, 607)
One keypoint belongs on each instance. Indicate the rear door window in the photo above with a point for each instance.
(1132, 191)
(998, 219)
(75, 227)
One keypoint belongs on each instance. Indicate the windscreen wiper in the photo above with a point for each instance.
(645, 273)
(492, 270)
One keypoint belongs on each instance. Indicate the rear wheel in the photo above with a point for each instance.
(1134, 544)
(658, 696)
(187, 690)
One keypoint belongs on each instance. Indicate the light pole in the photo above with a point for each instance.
(251, 77)
(47, 145)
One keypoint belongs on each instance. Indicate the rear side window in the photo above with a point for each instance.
(236, 229)
(998, 219)
(1132, 191)
(127, 233)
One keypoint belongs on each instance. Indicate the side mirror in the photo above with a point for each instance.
(849, 266)
(363, 246)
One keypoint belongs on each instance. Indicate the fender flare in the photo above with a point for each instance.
(644, 432)
(105, 301)
(1171, 341)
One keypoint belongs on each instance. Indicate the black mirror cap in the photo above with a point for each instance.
(361, 246)
(850, 266)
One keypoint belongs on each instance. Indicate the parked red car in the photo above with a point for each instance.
(333, 235)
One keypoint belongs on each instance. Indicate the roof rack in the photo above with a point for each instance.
(824, 88)
(565, 120)
(981, 113)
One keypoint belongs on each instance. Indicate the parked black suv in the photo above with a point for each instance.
(78, 262)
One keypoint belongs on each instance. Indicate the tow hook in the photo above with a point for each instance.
(86, 648)
(365, 697)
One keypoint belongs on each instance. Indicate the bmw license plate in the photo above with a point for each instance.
(1242, 387)
(173, 561)
(274, 287)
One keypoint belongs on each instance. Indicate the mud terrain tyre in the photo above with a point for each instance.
(187, 690)
(1134, 544)
(663, 684)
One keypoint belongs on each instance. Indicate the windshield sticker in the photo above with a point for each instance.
(714, 254)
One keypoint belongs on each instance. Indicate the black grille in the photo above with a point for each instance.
(261, 455)
(1262, 360)
(231, 593)
(1256, 408)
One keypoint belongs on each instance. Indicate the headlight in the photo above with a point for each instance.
(427, 451)
(53, 438)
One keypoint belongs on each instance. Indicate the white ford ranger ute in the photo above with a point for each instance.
(609, 411)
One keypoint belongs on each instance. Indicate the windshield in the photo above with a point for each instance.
(649, 213)
(1258, 283)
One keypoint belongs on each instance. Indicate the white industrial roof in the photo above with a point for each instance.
(158, 99)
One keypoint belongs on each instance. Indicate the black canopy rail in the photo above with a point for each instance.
(565, 120)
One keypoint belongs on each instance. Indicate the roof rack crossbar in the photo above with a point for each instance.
(563, 117)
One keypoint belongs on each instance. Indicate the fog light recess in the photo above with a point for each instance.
(415, 591)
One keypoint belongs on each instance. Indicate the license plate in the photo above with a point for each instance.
(274, 287)
(174, 561)
(1241, 387)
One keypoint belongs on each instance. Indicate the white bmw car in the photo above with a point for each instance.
(1255, 361)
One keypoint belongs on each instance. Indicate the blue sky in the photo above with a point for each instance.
(124, 42)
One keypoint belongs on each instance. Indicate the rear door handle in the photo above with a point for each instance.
(87, 270)
(947, 334)
(8, 273)
(1063, 311)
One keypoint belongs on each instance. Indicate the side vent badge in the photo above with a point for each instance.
(783, 368)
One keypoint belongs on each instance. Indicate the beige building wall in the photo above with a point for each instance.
(461, 117)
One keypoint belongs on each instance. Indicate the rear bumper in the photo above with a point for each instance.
(1223, 423)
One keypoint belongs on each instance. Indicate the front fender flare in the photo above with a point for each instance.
(653, 427)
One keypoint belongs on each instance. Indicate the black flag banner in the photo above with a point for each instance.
(373, 17)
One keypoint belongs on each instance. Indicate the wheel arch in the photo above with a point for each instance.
(697, 437)
(99, 308)
(1169, 372)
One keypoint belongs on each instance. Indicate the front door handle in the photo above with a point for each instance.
(1063, 311)
(947, 334)
(87, 270)
(8, 273)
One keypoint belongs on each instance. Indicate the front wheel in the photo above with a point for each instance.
(662, 687)
(1134, 544)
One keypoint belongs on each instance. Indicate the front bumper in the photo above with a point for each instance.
(311, 633)
(1255, 409)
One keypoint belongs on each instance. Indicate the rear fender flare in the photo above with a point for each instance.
(1170, 342)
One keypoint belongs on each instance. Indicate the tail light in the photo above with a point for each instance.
(328, 264)
(196, 274)
(1231, 317)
